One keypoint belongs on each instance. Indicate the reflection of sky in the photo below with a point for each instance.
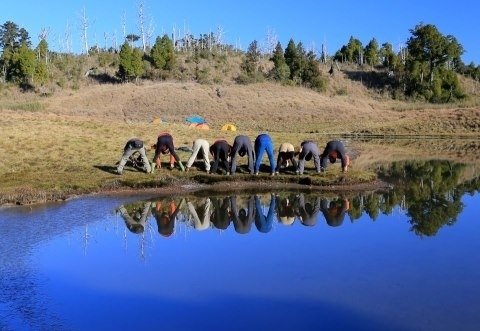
(92, 273)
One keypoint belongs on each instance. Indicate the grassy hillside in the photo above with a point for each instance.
(67, 141)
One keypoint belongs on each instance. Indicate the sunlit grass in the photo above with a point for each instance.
(69, 143)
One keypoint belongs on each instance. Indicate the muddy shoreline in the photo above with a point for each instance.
(193, 188)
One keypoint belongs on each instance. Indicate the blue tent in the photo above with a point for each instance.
(195, 119)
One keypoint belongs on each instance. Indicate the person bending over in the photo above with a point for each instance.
(220, 151)
(200, 151)
(241, 145)
(165, 146)
(286, 154)
(132, 146)
(308, 150)
(264, 143)
(333, 151)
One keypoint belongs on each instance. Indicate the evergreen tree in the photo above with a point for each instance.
(22, 65)
(388, 56)
(125, 68)
(428, 45)
(429, 65)
(11, 36)
(311, 74)
(292, 59)
(137, 63)
(351, 52)
(280, 71)
(371, 52)
(163, 53)
(42, 51)
(252, 58)
(41, 73)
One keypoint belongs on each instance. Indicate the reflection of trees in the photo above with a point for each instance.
(429, 191)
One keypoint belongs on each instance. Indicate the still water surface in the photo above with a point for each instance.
(406, 259)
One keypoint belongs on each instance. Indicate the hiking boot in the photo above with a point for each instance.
(118, 172)
(256, 173)
(272, 174)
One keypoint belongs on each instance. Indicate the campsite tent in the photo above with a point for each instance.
(229, 127)
(195, 119)
(201, 126)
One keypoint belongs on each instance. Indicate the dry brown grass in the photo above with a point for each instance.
(68, 141)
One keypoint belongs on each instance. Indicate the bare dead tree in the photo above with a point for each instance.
(219, 37)
(150, 32)
(124, 24)
(114, 40)
(68, 39)
(43, 35)
(83, 27)
(312, 48)
(141, 24)
(105, 37)
(142, 19)
(323, 56)
(270, 42)
(174, 37)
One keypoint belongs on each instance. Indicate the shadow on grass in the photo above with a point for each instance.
(109, 169)
(113, 169)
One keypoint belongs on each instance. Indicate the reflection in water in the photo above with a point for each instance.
(429, 193)
(49, 280)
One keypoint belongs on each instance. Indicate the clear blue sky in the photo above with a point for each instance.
(312, 22)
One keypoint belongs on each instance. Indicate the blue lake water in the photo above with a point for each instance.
(406, 259)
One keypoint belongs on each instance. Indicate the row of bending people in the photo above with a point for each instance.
(243, 212)
(227, 156)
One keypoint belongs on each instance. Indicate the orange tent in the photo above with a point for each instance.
(201, 126)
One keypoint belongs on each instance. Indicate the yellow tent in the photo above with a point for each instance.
(229, 127)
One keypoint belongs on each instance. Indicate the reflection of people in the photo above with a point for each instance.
(308, 211)
(243, 218)
(165, 217)
(220, 151)
(286, 153)
(165, 146)
(264, 224)
(220, 212)
(132, 146)
(241, 145)
(333, 151)
(334, 211)
(286, 210)
(308, 150)
(200, 151)
(200, 214)
(135, 215)
(264, 143)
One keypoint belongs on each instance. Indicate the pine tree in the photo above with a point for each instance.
(137, 63)
(125, 68)
(163, 53)
(22, 65)
(280, 71)
(371, 52)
